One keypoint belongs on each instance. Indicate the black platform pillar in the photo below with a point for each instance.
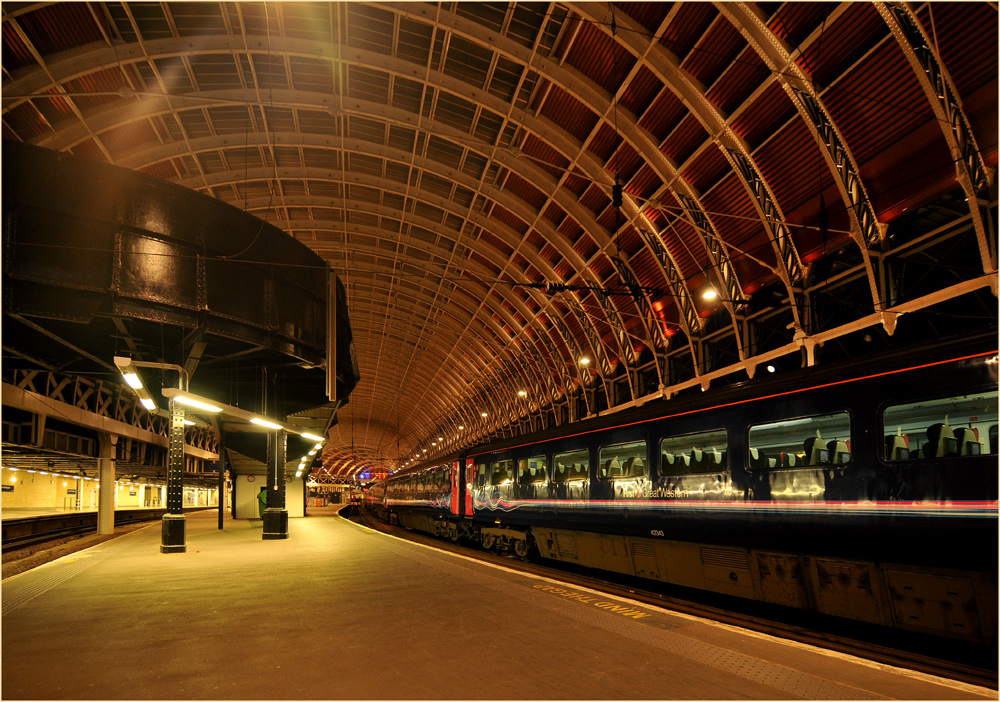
(172, 534)
(276, 516)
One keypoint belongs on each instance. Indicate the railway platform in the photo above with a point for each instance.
(338, 611)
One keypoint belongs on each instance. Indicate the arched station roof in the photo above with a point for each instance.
(828, 168)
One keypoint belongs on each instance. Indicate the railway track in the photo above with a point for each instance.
(31, 531)
(949, 659)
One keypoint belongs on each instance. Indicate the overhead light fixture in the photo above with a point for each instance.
(771, 369)
(312, 437)
(262, 422)
(584, 361)
(131, 376)
(522, 393)
(710, 293)
(460, 427)
(197, 404)
(484, 414)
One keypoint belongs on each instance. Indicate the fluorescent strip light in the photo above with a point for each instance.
(312, 437)
(147, 403)
(133, 380)
(264, 423)
(191, 402)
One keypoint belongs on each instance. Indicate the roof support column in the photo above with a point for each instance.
(173, 523)
(276, 516)
(106, 485)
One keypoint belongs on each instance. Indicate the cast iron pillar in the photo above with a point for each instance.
(106, 484)
(172, 532)
(276, 516)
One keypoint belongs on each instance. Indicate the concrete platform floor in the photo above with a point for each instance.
(338, 611)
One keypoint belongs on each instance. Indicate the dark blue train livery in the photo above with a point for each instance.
(861, 491)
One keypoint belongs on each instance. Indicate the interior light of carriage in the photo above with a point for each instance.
(198, 404)
(264, 423)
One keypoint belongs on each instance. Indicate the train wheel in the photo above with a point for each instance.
(488, 541)
(521, 549)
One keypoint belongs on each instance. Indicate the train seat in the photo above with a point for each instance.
(634, 468)
(941, 441)
(612, 469)
(969, 443)
(897, 447)
(787, 460)
(696, 460)
(840, 452)
(713, 457)
(759, 460)
(815, 451)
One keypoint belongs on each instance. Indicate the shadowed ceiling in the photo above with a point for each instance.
(827, 168)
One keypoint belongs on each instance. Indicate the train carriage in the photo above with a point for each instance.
(868, 495)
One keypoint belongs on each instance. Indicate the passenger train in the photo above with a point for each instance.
(866, 490)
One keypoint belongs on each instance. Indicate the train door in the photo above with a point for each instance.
(456, 484)
(469, 468)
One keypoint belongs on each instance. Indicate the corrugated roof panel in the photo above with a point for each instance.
(685, 246)
(162, 170)
(649, 14)
(59, 27)
(535, 239)
(554, 213)
(644, 184)
(641, 92)
(129, 136)
(489, 239)
(793, 180)
(524, 190)
(505, 216)
(966, 35)
(647, 269)
(585, 246)
(595, 199)
(15, 52)
(688, 136)
(794, 21)
(878, 103)
(688, 25)
(576, 182)
(732, 212)
(569, 113)
(715, 51)
(604, 142)
(628, 241)
(663, 115)
(25, 122)
(103, 81)
(739, 81)
(769, 111)
(706, 169)
(851, 36)
(591, 54)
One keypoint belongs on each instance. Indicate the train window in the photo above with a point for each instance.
(532, 470)
(704, 452)
(623, 461)
(502, 472)
(803, 442)
(568, 467)
(964, 425)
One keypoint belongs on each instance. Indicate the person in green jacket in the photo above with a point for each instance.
(262, 500)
